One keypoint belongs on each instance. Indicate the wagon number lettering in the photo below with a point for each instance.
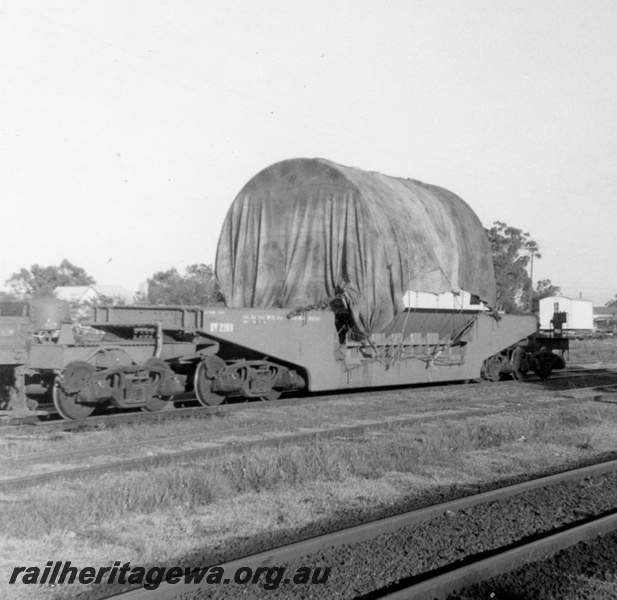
(221, 327)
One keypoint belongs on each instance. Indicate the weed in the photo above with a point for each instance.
(191, 487)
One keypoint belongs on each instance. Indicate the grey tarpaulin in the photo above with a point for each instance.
(305, 230)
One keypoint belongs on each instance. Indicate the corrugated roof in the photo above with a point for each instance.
(605, 310)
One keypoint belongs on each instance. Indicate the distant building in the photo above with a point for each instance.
(605, 317)
(579, 313)
(94, 293)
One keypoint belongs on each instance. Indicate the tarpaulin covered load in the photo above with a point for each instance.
(305, 230)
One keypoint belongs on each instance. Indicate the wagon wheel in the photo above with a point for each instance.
(157, 402)
(543, 364)
(67, 391)
(491, 368)
(519, 364)
(203, 388)
(272, 395)
(544, 371)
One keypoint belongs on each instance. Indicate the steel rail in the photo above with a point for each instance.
(380, 414)
(203, 411)
(365, 532)
(138, 416)
(220, 447)
(504, 561)
(222, 433)
(236, 447)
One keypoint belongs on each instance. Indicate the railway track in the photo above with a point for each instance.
(216, 448)
(504, 561)
(479, 407)
(557, 381)
(429, 583)
(236, 440)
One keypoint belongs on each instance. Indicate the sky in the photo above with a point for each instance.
(128, 128)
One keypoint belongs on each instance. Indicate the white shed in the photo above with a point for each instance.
(579, 313)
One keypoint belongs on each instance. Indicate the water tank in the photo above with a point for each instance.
(48, 314)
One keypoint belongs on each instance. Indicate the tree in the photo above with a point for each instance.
(612, 302)
(544, 289)
(197, 286)
(8, 297)
(512, 251)
(38, 281)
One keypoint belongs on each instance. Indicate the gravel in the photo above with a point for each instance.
(390, 561)
(587, 571)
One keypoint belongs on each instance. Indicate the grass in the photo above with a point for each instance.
(173, 513)
(602, 351)
(340, 410)
(403, 450)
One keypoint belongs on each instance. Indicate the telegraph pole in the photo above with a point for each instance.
(531, 283)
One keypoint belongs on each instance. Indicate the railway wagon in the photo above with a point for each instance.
(46, 358)
(264, 352)
(145, 356)
(334, 278)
